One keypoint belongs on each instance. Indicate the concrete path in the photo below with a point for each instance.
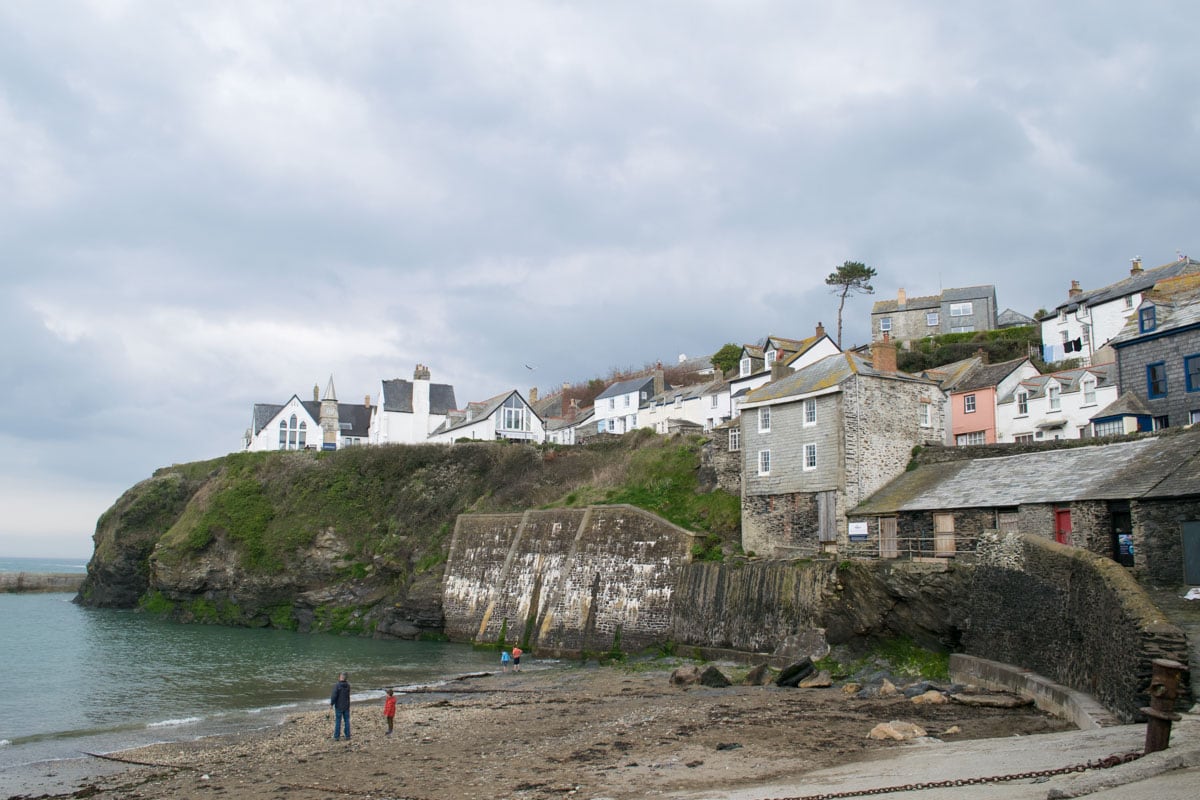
(1173, 774)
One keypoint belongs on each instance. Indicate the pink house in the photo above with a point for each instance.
(973, 398)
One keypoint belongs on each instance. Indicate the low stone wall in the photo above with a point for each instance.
(13, 582)
(1075, 617)
(564, 580)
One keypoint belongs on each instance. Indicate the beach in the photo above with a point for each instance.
(597, 732)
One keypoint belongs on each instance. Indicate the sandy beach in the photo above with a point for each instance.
(597, 732)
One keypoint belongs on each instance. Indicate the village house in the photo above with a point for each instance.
(408, 411)
(972, 308)
(757, 361)
(505, 416)
(815, 442)
(717, 403)
(1083, 325)
(1059, 405)
(686, 405)
(571, 429)
(616, 408)
(1158, 359)
(320, 424)
(974, 396)
(1136, 502)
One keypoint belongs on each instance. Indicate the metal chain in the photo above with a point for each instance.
(1101, 763)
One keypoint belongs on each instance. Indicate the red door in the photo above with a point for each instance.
(1062, 525)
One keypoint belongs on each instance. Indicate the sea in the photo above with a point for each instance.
(84, 680)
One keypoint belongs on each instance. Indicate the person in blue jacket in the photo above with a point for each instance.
(340, 702)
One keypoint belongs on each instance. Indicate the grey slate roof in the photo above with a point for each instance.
(357, 416)
(397, 396)
(1068, 380)
(827, 373)
(481, 409)
(646, 382)
(1132, 285)
(690, 392)
(1128, 404)
(1176, 306)
(1010, 319)
(982, 375)
(1154, 467)
(934, 300)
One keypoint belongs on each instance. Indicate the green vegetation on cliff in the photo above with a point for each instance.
(353, 541)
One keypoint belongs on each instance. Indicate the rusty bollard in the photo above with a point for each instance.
(1164, 689)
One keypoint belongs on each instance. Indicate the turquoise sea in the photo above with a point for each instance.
(99, 680)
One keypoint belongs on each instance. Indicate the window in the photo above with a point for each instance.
(810, 457)
(1052, 394)
(1146, 319)
(292, 434)
(1082, 311)
(1112, 427)
(974, 437)
(969, 404)
(764, 419)
(1191, 369)
(612, 425)
(962, 309)
(1023, 438)
(625, 401)
(735, 440)
(1066, 336)
(1089, 391)
(1129, 301)
(1085, 337)
(1156, 379)
(926, 417)
(744, 368)
(712, 401)
(931, 319)
(1193, 416)
(612, 402)
(810, 411)
(514, 415)
(679, 401)
(1022, 402)
(1158, 423)
(764, 462)
(961, 328)
(1062, 315)
(885, 324)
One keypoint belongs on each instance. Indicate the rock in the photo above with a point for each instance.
(850, 688)
(759, 676)
(686, 675)
(931, 697)
(820, 680)
(714, 678)
(997, 700)
(806, 644)
(793, 674)
(888, 689)
(953, 729)
(897, 730)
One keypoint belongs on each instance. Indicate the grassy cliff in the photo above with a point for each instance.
(355, 540)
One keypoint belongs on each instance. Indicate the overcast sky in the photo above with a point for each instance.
(207, 205)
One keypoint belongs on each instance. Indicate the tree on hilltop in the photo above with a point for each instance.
(851, 276)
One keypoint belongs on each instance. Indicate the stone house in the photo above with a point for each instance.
(1058, 405)
(1136, 502)
(320, 424)
(1158, 354)
(816, 442)
(971, 308)
(505, 416)
(1082, 325)
(408, 411)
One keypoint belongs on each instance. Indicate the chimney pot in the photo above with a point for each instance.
(367, 401)
(1075, 291)
(533, 394)
(820, 330)
(1135, 265)
(901, 298)
(421, 373)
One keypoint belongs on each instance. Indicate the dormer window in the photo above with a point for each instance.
(1053, 395)
(745, 367)
(1146, 319)
(771, 355)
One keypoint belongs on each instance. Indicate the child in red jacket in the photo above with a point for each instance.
(389, 711)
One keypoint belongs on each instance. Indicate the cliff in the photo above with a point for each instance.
(355, 541)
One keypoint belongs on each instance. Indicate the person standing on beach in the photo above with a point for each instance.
(340, 702)
(389, 711)
(516, 657)
(505, 660)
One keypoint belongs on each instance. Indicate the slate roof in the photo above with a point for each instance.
(690, 392)
(982, 376)
(827, 373)
(1131, 285)
(1128, 404)
(1153, 467)
(396, 395)
(356, 415)
(949, 376)
(558, 423)
(645, 382)
(934, 300)
(1176, 304)
(481, 409)
(1010, 319)
(1068, 380)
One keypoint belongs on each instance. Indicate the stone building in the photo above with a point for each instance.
(971, 308)
(814, 443)
(1136, 502)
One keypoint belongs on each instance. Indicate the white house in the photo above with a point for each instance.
(567, 430)
(1087, 320)
(505, 416)
(717, 404)
(1058, 405)
(408, 411)
(685, 403)
(754, 366)
(617, 407)
(319, 424)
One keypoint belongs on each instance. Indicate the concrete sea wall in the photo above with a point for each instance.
(564, 580)
(14, 582)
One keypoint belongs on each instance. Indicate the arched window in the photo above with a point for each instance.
(292, 433)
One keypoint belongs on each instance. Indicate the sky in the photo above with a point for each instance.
(208, 205)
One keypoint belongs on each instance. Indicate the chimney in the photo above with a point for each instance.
(1135, 266)
(1075, 290)
(820, 330)
(367, 401)
(574, 409)
(316, 393)
(660, 382)
(533, 394)
(883, 354)
(421, 373)
(901, 298)
(779, 370)
(982, 355)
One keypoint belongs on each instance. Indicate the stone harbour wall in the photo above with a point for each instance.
(1070, 615)
(564, 580)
